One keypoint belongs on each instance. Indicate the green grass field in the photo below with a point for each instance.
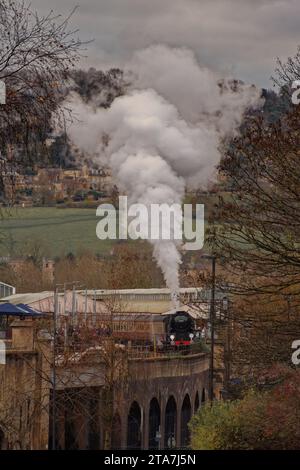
(59, 230)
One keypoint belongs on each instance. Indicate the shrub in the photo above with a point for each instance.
(261, 420)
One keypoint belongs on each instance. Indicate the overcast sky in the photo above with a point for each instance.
(240, 37)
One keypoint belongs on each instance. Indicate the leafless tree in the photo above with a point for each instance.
(287, 72)
(256, 230)
(37, 54)
(255, 234)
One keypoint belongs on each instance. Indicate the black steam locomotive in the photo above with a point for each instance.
(180, 328)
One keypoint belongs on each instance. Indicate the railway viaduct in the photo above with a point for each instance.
(160, 401)
(151, 411)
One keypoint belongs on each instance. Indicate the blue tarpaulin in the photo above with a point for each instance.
(20, 310)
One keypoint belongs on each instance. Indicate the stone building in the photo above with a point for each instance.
(25, 378)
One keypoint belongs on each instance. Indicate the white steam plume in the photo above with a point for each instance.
(164, 134)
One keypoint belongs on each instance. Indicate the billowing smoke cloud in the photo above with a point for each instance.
(165, 133)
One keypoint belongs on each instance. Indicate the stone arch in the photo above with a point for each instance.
(170, 423)
(186, 414)
(116, 442)
(134, 438)
(93, 421)
(196, 402)
(71, 434)
(154, 423)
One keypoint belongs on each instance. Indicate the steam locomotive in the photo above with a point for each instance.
(176, 330)
(180, 329)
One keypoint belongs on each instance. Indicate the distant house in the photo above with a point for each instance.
(6, 290)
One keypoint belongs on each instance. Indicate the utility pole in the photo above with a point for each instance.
(227, 346)
(212, 328)
(54, 372)
(54, 385)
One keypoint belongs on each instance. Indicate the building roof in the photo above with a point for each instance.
(153, 291)
(27, 298)
(195, 301)
(157, 300)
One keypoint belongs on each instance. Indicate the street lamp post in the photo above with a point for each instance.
(212, 313)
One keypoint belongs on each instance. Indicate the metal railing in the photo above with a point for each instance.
(102, 346)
